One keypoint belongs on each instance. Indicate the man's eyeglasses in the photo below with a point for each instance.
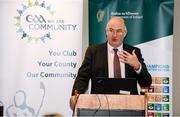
(117, 31)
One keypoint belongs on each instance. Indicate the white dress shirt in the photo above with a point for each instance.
(110, 53)
(110, 61)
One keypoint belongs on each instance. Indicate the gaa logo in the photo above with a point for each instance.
(35, 19)
(31, 21)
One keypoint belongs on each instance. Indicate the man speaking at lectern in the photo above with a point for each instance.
(112, 59)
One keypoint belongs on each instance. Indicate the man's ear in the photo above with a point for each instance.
(125, 33)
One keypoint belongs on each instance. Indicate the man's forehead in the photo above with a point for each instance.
(115, 27)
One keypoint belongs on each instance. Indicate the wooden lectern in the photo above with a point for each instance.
(110, 105)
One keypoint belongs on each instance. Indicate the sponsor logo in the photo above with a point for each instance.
(166, 80)
(100, 15)
(36, 21)
(31, 21)
(165, 98)
(166, 89)
(166, 107)
(158, 107)
(150, 106)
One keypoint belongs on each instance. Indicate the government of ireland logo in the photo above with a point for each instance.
(100, 15)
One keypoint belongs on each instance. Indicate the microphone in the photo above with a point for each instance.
(1, 109)
(75, 100)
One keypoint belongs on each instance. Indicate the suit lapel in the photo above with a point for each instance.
(105, 57)
(126, 66)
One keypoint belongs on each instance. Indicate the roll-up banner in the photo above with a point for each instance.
(150, 27)
(40, 49)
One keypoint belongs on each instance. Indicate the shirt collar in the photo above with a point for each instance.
(110, 48)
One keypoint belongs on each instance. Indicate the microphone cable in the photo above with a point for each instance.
(107, 104)
(98, 107)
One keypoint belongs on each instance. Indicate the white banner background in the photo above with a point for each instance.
(160, 66)
(24, 88)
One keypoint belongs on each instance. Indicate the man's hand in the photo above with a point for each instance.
(130, 59)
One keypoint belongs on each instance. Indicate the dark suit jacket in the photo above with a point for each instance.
(95, 65)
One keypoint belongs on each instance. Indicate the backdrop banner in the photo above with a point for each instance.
(150, 27)
(41, 51)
